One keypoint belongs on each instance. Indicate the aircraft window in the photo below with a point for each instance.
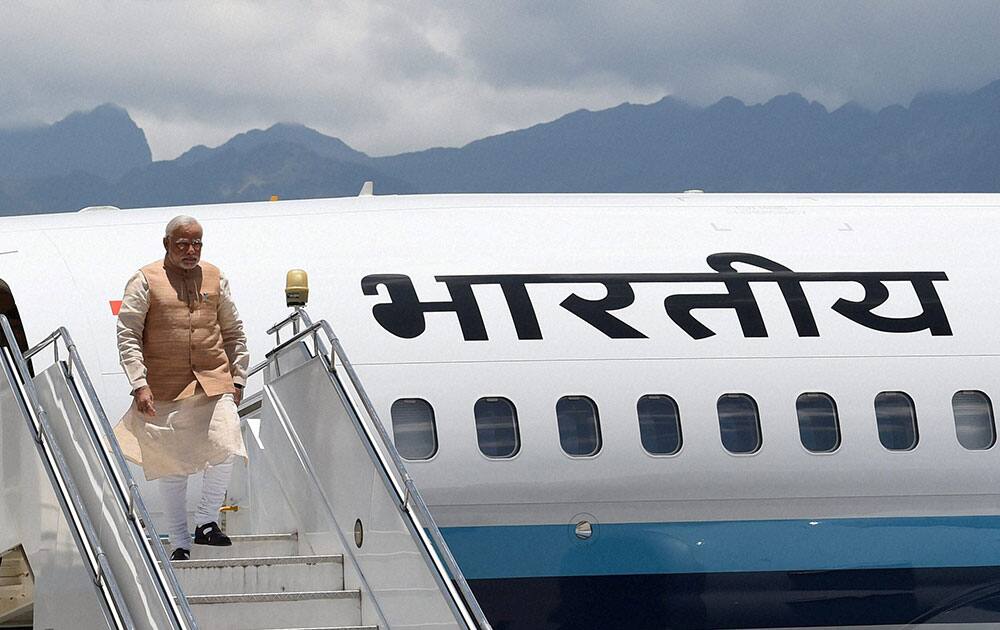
(974, 420)
(819, 428)
(579, 428)
(659, 424)
(739, 423)
(897, 421)
(413, 428)
(496, 427)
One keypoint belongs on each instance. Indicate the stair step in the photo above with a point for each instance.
(260, 575)
(250, 546)
(212, 563)
(259, 611)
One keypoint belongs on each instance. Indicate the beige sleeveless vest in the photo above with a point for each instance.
(182, 345)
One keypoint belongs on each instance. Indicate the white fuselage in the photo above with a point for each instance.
(65, 269)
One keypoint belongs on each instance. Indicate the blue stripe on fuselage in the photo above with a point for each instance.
(509, 551)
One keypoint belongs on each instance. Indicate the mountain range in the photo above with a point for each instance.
(939, 143)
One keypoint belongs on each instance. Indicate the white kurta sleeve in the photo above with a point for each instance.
(131, 322)
(234, 340)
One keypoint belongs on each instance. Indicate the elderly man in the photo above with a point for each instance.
(182, 346)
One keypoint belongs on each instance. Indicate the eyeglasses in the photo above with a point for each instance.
(182, 245)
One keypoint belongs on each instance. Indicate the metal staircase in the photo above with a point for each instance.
(263, 581)
(88, 521)
(328, 529)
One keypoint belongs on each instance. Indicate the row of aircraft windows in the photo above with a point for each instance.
(579, 425)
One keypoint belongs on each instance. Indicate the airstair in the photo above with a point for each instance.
(328, 529)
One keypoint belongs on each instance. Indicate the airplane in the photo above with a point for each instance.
(678, 410)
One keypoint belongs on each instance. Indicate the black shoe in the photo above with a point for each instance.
(180, 554)
(210, 534)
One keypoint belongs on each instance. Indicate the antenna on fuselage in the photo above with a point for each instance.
(296, 288)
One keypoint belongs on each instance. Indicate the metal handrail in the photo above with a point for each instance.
(305, 461)
(128, 496)
(410, 491)
(410, 500)
(66, 491)
(132, 502)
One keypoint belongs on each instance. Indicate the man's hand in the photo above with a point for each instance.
(144, 401)
(238, 396)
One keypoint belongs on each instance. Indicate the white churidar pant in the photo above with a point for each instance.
(173, 489)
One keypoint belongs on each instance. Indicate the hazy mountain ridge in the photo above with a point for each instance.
(939, 143)
(104, 142)
(286, 160)
(290, 133)
(255, 173)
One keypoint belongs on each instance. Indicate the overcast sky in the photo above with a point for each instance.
(389, 77)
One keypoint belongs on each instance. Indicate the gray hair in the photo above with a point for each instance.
(179, 222)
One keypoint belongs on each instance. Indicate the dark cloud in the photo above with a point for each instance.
(389, 77)
(873, 52)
